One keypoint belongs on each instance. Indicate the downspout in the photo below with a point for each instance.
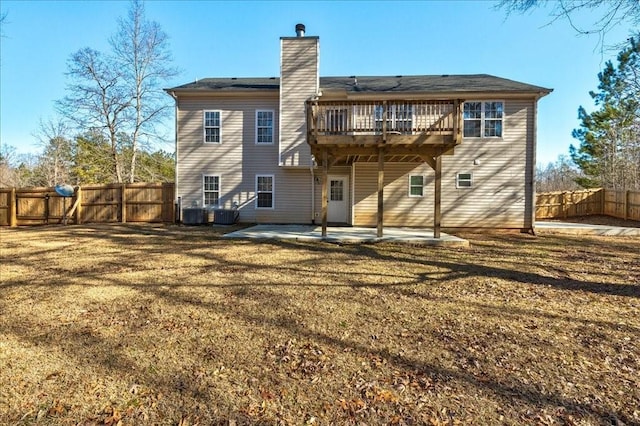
(175, 161)
(313, 193)
(313, 160)
(533, 164)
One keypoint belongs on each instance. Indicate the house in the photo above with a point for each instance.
(425, 151)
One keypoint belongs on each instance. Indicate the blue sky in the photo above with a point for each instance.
(241, 39)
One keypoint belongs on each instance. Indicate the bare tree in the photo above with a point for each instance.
(7, 166)
(141, 52)
(558, 176)
(606, 14)
(3, 19)
(56, 158)
(98, 99)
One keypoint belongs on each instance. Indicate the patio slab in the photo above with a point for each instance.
(338, 234)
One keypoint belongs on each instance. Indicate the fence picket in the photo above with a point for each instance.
(559, 205)
(136, 202)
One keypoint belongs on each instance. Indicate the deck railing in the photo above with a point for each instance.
(377, 117)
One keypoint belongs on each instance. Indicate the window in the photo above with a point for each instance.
(399, 118)
(264, 192)
(483, 119)
(416, 185)
(211, 190)
(464, 180)
(336, 190)
(264, 127)
(212, 126)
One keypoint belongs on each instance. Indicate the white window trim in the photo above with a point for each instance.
(482, 102)
(273, 193)
(204, 126)
(273, 126)
(458, 180)
(410, 186)
(204, 175)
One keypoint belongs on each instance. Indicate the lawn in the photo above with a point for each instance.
(124, 324)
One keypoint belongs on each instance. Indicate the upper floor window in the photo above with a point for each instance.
(264, 127)
(211, 190)
(483, 119)
(212, 127)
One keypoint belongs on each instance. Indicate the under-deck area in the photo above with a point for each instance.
(382, 131)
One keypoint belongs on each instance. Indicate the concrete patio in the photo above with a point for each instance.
(346, 234)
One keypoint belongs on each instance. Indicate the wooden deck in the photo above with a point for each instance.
(348, 131)
(389, 122)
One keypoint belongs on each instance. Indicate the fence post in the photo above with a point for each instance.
(564, 204)
(79, 208)
(602, 197)
(123, 203)
(13, 208)
(626, 204)
(46, 209)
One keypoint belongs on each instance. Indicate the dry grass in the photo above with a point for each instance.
(173, 325)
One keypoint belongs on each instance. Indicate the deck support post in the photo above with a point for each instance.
(438, 195)
(380, 192)
(325, 172)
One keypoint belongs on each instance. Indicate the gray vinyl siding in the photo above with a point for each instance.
(399, 208)
(497, 198)
(298, 83)
(237, 160)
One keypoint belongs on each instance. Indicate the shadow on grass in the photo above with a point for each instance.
(445, 265)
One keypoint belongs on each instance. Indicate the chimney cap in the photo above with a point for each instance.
(300, 30)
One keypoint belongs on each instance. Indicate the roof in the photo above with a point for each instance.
(371, 84)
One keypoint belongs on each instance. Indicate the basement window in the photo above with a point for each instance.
(211, 190)
(416, 185)
(464, 180)
(264, 191)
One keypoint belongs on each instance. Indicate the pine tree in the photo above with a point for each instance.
(609, 151)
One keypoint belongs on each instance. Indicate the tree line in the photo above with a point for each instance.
(608, 153)
(82, 160)
(111, 117)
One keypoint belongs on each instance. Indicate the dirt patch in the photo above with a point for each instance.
(175, 325)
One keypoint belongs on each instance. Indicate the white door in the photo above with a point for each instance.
(338, 197)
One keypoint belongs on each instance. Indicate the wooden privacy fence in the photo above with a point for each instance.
(559, 205)
(134, 202)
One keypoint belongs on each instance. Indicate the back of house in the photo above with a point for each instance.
(427, 150)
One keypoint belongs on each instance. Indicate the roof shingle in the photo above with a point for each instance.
(364, 84)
